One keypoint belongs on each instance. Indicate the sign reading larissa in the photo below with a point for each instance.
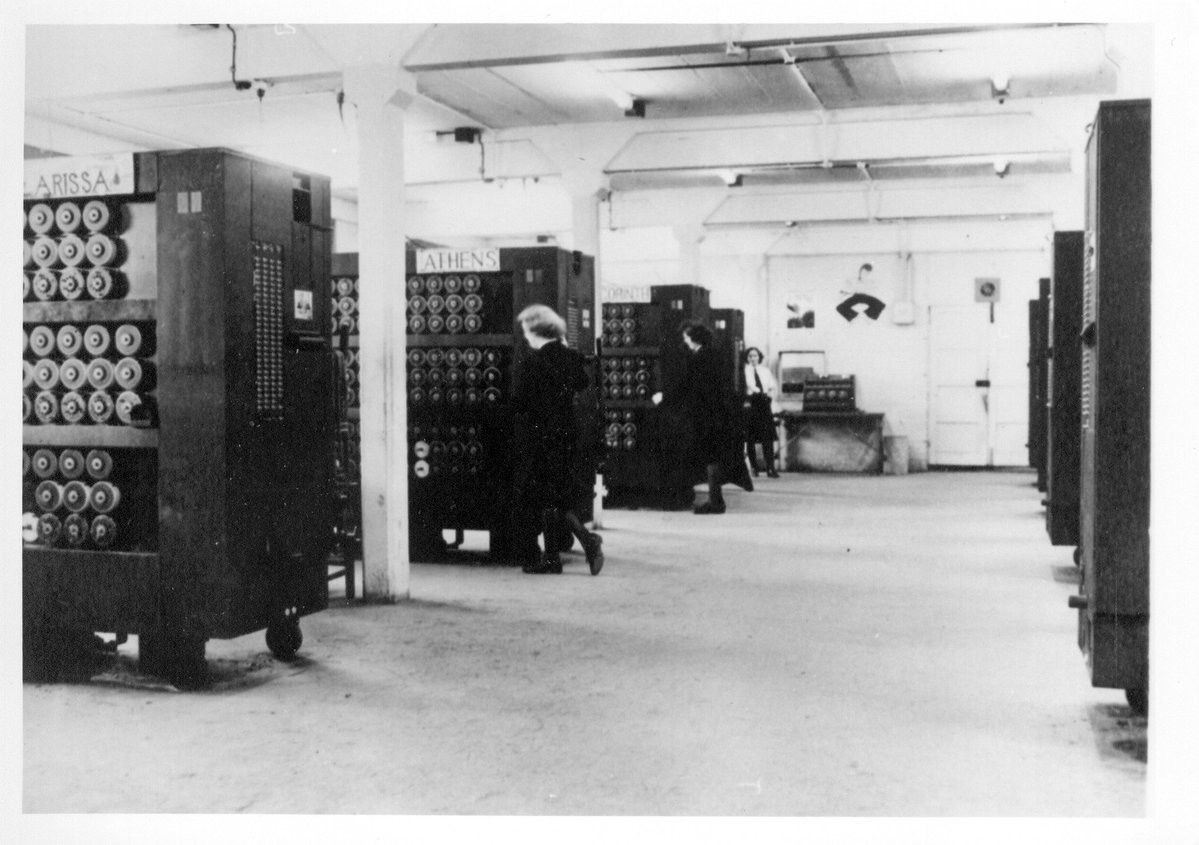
(485, 260)
(79, 176)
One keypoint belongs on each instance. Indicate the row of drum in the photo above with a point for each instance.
(98, 373)
(70, 284)
(449, 283)
(68, 217)
(99, 407)
(99, 250)
(124, 340)
(73, 482)
(433, 458)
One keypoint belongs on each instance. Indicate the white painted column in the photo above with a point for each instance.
(379, 94)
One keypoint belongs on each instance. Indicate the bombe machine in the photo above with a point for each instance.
(178, 417)
(463, 351)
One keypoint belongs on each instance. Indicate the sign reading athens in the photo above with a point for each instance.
(458, 260)
(79, 176)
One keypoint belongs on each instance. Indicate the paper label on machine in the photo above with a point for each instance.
(303, 305)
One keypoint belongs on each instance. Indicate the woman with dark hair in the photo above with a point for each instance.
(546, 444)
(761, 397)
(705, 393)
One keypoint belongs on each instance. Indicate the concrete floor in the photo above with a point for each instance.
(832, 646)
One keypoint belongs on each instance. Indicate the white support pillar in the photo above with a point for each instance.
(380, 93)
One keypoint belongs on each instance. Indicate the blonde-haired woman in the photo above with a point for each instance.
(546, 444)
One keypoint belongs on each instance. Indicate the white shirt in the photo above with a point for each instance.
(769, 386)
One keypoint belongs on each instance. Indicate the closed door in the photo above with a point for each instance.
(979, 379)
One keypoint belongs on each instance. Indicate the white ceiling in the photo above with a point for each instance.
(776, 105)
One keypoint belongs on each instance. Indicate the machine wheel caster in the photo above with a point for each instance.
(283, 636)
(1138, 700)
(179, 658)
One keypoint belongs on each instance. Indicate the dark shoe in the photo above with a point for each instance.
(772, 474)
(709, 507)
(593, 548)
(532, 568)
(551, 566)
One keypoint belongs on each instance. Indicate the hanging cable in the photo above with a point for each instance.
(482, 159)
(239, 84)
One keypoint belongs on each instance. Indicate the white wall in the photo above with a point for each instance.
(889, 360)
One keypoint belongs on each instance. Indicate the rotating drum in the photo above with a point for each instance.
(49, 528)
(70, 464)
(100, 373)
(435, 323)
(46, 374)
(454, 324)
(74, 530)
(73, 407)
(69, 340)
(100, 407)
(452, 284)
(130, 407)
(103, 531)
(71, 250)
(44, 463)
(96, 340)
(415, 285)
(104, 497)
(433, 284)
(471, 283)
(472, 323)
(131, 375)
(128, 340)
(99, 464)
(72, 373)
(99, 283)
(67, 217)
(45, 252)
(101, 250)
(75, 496)
(48, 495)
(96, 216)
(71, 284)
(45, 284)
(40, 218)
(45, 407)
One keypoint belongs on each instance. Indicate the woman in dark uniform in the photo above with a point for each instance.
(705, 393)
(761, 396)
(546, 444)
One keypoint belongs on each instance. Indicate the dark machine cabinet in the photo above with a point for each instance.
(646, 446)
(179, 429)
(1114, 485)
(463, 354)
(1038, 380)
(728, 330)
(1064, 390)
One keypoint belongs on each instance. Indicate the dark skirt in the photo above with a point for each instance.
(759, 422)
